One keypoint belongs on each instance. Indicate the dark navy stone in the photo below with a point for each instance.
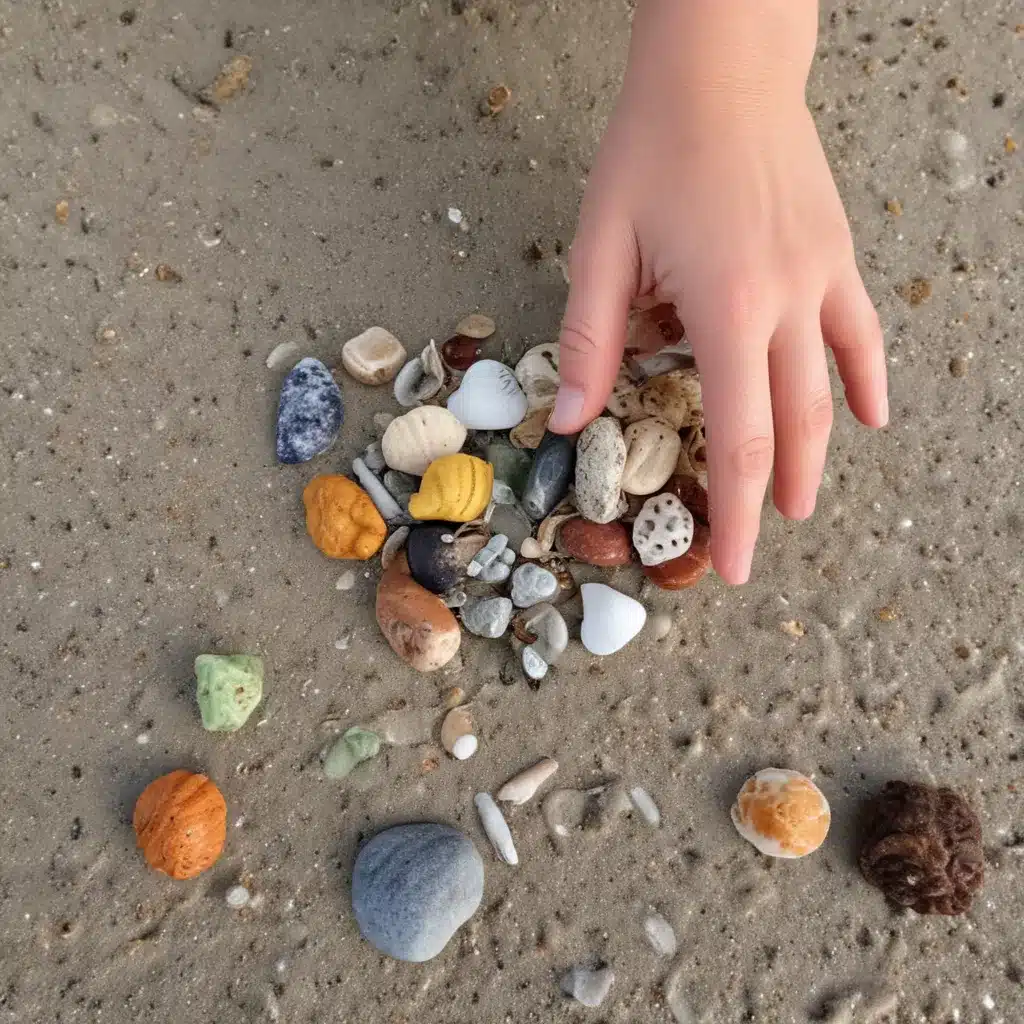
(309, 414)
(413, 887)
(550, 475)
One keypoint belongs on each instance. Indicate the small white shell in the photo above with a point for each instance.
(457, 725)
(523, 786)
(496, 828)
(421, 378)
(489, 398)
(646, 806)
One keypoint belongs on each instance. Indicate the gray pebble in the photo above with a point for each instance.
(532, 584)
(488, 616)
(413, 887)
(374, 457)
(497, 572)
(588, 987)
(600, 460)
(550, 475)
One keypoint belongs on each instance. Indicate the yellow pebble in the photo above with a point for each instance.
(341, 518)
(455, 488)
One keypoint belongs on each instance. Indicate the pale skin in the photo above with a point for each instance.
(711, 191)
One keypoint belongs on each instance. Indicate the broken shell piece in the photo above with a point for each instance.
(537, 373)
(652, 450)
(587, 987)
(782, 813)
(487, 555)
(693, 459)
(547, 532)
(373, 357)
(421, 378)
(457, 733)
(530, 432)
(523, 786)
(663, 530)
(648, 809)
(379, 495)
(496, 828)
(392, 546)
(476, 325)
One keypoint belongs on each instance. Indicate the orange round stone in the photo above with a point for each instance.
(342, 519)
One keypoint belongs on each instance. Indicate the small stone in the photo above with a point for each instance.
(513, 522)
(522, 787)
(588, 987)
(497, 99)
(455, 598)
(794, 628)
(346, 581)
(537, 373)
(232, 79)
(530, 548)
(353, 747)
(309, 414)
(502, 494)
(228, 688)
(894, 207)
(600, 459)
(646, 806)
(782, 813)
(888, 613)
(532, 584)
(660, 935)
(916, 292)
(237, 897)
(508, 556)
(550, 475)
(373, 357)
(661, 626)
(496, 572)
(489, 398)
(341, 518)
(496, 828)
(457, 735)
(959, 366)
(413, 887)
(663, 530)
(476, 325)
(413, 441)
(610, 619)
(534, 665)
(461, 353)
(62, 211)
(283, 355)
(510, 464)
(166, 274)
(373, 457)
(652, 450)
(687, 570)
(488, 554)
(602, 544)
(439, 564)
(487, 617)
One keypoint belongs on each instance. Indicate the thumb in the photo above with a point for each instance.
(603, 274)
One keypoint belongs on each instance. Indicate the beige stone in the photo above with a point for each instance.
(374, 357)
(652, 451)
(413, 441)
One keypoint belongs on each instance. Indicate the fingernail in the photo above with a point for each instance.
(568, 408)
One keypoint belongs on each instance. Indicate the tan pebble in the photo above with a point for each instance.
(476, 325)
(794, 627)
(233, 79)
(457, 733)
(530, 432)
(915, 292)
(652, 450)
(167, 274)
(62, 212)
(523, 786)
(497, 99)
(373, 357)
(894, 207)
(413, 441)
(453, 697)
(888, 614)
(531, 548)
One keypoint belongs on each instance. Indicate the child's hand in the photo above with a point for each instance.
(711, 191)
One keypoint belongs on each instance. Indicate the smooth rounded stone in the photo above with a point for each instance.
(228, 688)
(390, 510)
(600, 460)
(531, 548)
(530, 432)
(413, 887)
(373, 457)
(353, 747)
(421, 378)
(513, 522)
(588, 987)
(663, 530)
(496, 572)
(461, 352)
(644, 803)
(537, 373)
(502, 494)
(476, 325)
(455, 598)
(401, 487)
(512, 465)
(283, 355)
(496, 828)
(489, 398)
(522, 787)
(237, 897)
(309, 412)
(393, 545)
(373, 357)
(487, 555)
(413, 441)
(602, 544)
(610, 619)
(487, 616)
(652, 450)
(660, 935)
(415, 622)
(437, 564)
(686, 570)
(532, 584)
(457, 736)
(551, 474)
(508, 556)
(534, 665)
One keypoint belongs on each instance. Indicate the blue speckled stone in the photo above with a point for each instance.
(550, 475)
(413, 887)
(309, 414)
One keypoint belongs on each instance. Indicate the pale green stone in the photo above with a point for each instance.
(228, 687)
(352, 747)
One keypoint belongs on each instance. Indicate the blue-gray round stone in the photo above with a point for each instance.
(550, 475)
(413, 887)
(309, 413)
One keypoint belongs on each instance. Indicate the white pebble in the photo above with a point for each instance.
(454, 214)
(496, 828)
(284, 356)
(465, 747)
(523, 786)
(660, 935)
(237, 897)
(661, 626)
(645, 805)
(346, 581)
(588, 987)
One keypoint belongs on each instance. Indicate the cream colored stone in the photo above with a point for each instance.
(374, 357)
(652, 450)
(537, 373)
(675, 398)
(413, 441)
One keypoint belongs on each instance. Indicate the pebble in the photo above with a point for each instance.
(782, 813)
(283, 355)
(537, 373)
(648, 809)
(393, 545)
(600, 459)
(437, 564)
(401, 487)
(496, 828)
(652, 451)
(380, 497)
(309, 413)
(532, 584)
(415, 622)
(460, 353)
(502, 494)
(513, 522)
(476, 325)
(660, 935)
(610, 619)
(413, 441)
(489, 398)
(456, 488)
(663, 530)
(487, 616)
(661, 626)
(551, 474)
(588, 987)
(510, 464)
(457, 736)
(413, 887)
(237, 897)
(228, 688)
(686, 570)
(373, 357)
(602, 544)
(455, 598)
(531, 548)
(488, 554)
(353, 747)
(522, 787)
(674, 398)
(496, 572)
(373, 457)
(545, 622)
(420, 379)
(531, 431)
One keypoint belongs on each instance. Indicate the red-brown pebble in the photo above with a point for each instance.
(691, 494)
(686, 570)
(460, 353)
(596, 543)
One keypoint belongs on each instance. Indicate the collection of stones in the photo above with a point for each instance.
(490, 532)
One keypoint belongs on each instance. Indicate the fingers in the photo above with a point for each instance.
(738, 423)
(604, 270)
(851, 329)
(802, 415)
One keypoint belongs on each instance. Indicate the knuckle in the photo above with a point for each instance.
(752, 460)
(818, 414)
(578, 338)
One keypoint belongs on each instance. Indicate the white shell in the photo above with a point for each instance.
(373, 357)
(413, 441)
(660, 935)
(421, 378)
(393, 545)
(652, 450)
(523, 786)
(496, 828)
(610, 619)
(643, 802)
(663, 530)
(537, 373)
(489, 398)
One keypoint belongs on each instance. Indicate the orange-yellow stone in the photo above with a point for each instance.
(341, 518)
(782, 812)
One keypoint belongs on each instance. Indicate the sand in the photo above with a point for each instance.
(143, 520)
